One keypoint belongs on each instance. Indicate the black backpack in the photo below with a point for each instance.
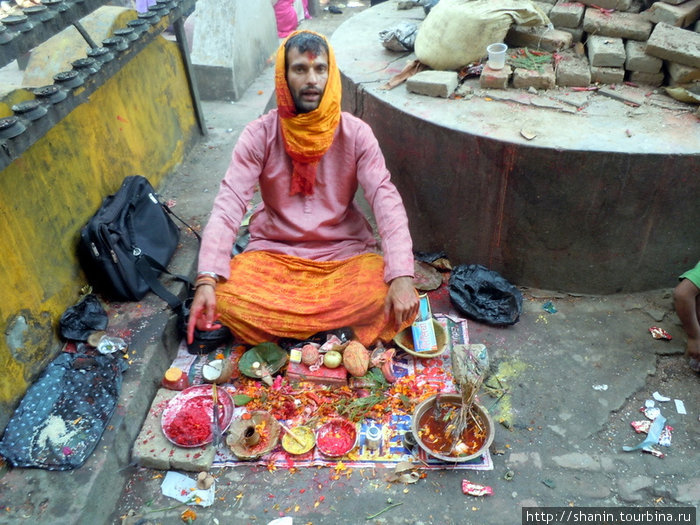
(129, 242)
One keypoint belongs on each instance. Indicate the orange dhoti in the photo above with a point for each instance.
(271, 296)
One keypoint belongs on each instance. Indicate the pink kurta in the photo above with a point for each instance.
(324, 226)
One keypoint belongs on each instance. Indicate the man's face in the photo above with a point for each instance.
(307, 74)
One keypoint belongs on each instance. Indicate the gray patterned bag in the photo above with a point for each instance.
(63, 415)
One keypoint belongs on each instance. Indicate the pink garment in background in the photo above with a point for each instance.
(286, 17)
(143, 5)
(324, 226)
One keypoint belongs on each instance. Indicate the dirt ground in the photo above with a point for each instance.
(575, 380)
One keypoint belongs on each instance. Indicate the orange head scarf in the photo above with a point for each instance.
(307, 136)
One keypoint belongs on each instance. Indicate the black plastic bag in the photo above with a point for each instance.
(344, 334)
(430, 257)
(484, 295)
(83, 318)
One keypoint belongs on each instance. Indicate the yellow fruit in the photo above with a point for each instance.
(332, 359)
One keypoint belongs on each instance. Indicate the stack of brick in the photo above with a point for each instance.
(153, 450)
(607, 42)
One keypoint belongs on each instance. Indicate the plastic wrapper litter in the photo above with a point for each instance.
(659, 333)
(399, 38)
(653, 452)
(474, 489)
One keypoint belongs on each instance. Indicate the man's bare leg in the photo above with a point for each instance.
(686, 297)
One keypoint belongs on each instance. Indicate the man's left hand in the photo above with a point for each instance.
(401, 300)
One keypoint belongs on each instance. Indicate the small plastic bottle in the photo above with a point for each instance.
(424, 339)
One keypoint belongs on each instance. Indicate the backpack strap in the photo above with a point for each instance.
(147, 267)
(171, 212)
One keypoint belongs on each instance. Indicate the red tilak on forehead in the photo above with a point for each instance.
(311, 55)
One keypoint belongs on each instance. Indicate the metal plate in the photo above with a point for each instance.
(187, 420)
(456, 399)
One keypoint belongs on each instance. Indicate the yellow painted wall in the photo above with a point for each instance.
(141, 121)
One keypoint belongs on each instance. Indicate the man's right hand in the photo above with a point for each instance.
(202, 311)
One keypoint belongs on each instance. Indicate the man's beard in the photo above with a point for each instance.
(303, 106)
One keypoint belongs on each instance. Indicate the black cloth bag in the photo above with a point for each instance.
(128, 242)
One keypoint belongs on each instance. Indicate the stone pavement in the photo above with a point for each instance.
(574, 380)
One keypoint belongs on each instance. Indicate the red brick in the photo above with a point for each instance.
(495, 78)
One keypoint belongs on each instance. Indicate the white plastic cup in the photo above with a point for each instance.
(497, 55)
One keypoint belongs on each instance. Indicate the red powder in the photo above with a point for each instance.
(192, 424)
(336, 438)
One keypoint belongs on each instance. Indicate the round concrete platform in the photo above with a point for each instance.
(605, 197)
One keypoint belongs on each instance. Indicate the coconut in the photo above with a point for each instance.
(217, 371)
(356, 359)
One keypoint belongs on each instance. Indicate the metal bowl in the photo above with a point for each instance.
(305, 435)
(337, 425)
(456, 399)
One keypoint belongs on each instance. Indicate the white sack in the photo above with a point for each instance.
(456, 32)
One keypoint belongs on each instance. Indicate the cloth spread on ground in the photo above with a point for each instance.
(306, 403)
(64, 413)
(307, 136)
(276, 295)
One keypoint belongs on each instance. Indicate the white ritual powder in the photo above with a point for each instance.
(55, 432)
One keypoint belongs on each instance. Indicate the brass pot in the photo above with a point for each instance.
(455, 399)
